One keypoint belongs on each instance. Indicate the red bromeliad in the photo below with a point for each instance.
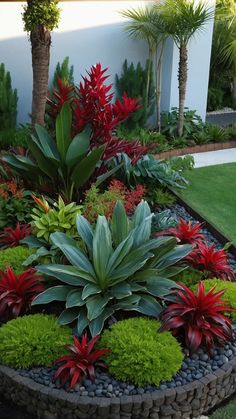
(214, 263)
(185, 232)
(198, 318)
(18, 291)
(81, 361)
(11, 237)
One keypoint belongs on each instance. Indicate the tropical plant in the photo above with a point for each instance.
(14, 257)
(192, 123)
(159, 197)
(143, 24)
(15, 204)
(212, 262)
(18, 291)
(40, 18)
(81, 361)
(32, 340)
(133, 81)
(215, 98)
(64, 72)
(163, 220)
(123, 269)
(67, 163)
(58, 217)
(198, 318)
(8, 101)
(216, 133)
(11, 237)
(136, 342)
(181, 19)
(185, 232)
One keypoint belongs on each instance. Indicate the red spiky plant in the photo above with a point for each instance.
(18, 291)
(186, 232)
(11, 237)
(81, 361)
(197, 318)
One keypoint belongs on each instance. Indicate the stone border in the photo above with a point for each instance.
(190, 400)
(195, 149)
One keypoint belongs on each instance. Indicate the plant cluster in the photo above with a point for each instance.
(8, 101)
(15, 204)
(63, 72)
(41, 13)
(139, 353)
(11, 237)
(32, 341)
(14, 257)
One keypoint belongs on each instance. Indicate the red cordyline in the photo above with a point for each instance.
(81, 361)
(131, 197)
(186, 232)
(18, 291)
(11, 237)
(213, 263)
(198, 317)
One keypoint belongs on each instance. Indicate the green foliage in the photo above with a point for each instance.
(133, 81)
(15, 137)
(201, 137)
(231, 132)
(181, 164)
(163, 220)
(229, 295)
(64, 72)
(45, 13)
(160, 197)
(34, 340)
(97, 203)
(14, 209)
(192, 123)
(155, 141)
(122, 269)
(8, 102)
(141, 354)
(189, 277)
(65, 162)
(215, 98)
(216, 133)
(15, 257)
(60, 217)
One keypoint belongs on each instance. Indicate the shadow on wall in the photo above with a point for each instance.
(105, 44)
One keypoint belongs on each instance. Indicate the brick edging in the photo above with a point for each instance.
(188, 401)
(196, 149)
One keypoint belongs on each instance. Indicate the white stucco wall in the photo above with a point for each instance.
(90, 32)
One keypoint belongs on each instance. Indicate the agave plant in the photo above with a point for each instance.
(123, 269)
(65, 161)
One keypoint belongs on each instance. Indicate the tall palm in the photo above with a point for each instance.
(142, 24)
(181, 19)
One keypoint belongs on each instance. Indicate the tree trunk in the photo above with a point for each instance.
(182, 77)
(40, 46)
(158, 86)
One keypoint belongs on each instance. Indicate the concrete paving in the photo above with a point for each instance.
(212, 158)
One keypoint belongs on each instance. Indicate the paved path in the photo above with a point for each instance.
(211, 158)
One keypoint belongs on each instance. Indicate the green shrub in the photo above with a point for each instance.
(14, 256)
(216, 133)
(8, 101)
(139, 353)
(229, 295)
(215, 99)
(189, 277)
(160, 197)
(63, 72)
(192, 123)
(34, 340)
(231, 131)
(41, 13)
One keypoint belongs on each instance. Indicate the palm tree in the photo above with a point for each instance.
(181, 19)
(40, 18)
(142, 24)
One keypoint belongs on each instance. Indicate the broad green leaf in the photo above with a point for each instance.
(44, 163)
(141, 212)
(32, 242)
(78, 259)
(102, 249)
(69, 315)
(142, 232)
(64, 273)
(159, 286)
(74, 299)
(78, 147)
(90, 289)
(58, 293)
(46, 143)
(128, 303)
(63, 130)
(85, 168)
(61, 238)
(82, 322)
(97, 324)
(105, 176)
(85, 231)
(174, 256)
(149, 306)
(96, 304)
(120, 223)
(21, 163)
(121, 290)
(119, 254)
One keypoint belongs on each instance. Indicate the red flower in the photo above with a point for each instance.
(198, 318)
(212, 262)
(185, 232)
(81, 362)
(18, 292)
(11, 237)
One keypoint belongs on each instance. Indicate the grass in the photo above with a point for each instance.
(225, 412)
(212, 192)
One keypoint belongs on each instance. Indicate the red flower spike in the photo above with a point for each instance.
(18, 292)
(81, 361)
(214, 263)
(11, 237)
(185, 232)
(198, 318)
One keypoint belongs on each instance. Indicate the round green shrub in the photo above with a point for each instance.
(229, 295)
(139, 353)
(34, 340)
(189, 277)
(15, 256)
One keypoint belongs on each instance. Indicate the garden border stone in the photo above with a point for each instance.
(188, 401)
(195, 149)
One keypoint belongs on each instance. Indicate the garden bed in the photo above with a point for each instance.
(196, 149)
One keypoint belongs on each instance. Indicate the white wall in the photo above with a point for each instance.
(90, 32)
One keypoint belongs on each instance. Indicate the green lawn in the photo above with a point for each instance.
(212, 192)
(226, 412)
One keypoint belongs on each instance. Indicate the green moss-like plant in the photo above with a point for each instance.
(139, 353)
(189, 277)
(34, 340)
(229, 295)
(15, 256)
(41, 13)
